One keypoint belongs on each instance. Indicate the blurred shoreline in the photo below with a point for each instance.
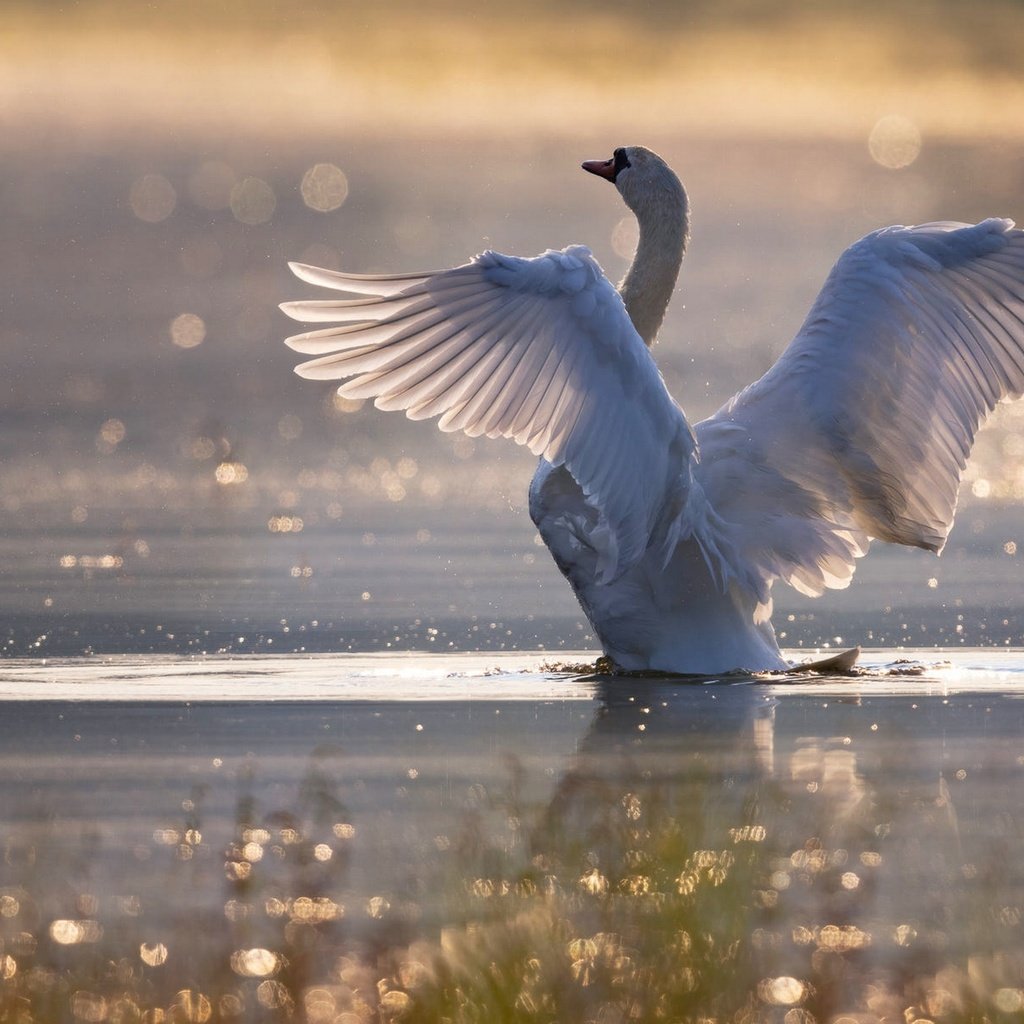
(95, 71)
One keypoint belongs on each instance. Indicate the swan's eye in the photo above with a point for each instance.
(621, 160)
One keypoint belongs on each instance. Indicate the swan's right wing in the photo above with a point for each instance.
(538, 350)
(863, 426)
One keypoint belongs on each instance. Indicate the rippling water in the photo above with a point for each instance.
(485, 837)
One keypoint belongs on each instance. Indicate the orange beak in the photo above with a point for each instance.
(602, 168)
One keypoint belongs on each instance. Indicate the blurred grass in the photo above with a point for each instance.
(745, 67)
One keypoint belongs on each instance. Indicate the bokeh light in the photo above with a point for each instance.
(253, 201)
(625, 236)
(188, 330)
(1008, 1000)
(112, 432)
(152, 198)
(782, 991)
(274, 996)
(70, 932)
(377, 906)
(285, 524)
(324, 187)
(255, 963)
(88, 1006)
(230, 473)
(345, 406)
(191, 1007)
(153, 955)
(894, 142)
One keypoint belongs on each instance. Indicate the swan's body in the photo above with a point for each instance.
(673, 536)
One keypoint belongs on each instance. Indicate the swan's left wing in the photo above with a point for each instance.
(538, 350)
(864, 425)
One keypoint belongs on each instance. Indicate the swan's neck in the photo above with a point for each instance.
(647, 286)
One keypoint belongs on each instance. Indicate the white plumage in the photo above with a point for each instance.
(670, 536)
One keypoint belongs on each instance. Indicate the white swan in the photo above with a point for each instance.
(672, 536)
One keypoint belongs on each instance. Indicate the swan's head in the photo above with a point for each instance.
(650, 188)
(642, 178)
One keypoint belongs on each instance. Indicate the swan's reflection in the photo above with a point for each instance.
(809, 851)
(669, 852)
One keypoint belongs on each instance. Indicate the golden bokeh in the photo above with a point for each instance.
(112, 432)
(1008, 1000)
(285, 524)
(90, 1007)
(378, 906)
(191, 1007)
(274, 996)
(152, 198)
(229, 473)
(67, 932)
(894, 142)
(324, 187)
(255, 963)
(188, 330)
(253, 201)
(153, 955)
(782, 991)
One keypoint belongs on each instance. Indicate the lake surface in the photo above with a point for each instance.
(481, 837)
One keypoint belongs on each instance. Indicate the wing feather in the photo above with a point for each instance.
(357, 284)
(535, 429)
(411, 360)
(538, 350)
(864, 425)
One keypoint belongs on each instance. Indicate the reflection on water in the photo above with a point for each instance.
(655, 852)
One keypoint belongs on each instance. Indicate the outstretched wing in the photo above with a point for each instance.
(864, 425)
(538, 350)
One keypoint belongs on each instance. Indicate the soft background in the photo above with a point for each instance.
(167, 483)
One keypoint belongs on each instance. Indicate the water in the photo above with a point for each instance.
(478, 837)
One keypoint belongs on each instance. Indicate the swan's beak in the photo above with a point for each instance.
(602, 168)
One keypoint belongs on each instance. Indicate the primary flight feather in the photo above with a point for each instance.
(673, 536)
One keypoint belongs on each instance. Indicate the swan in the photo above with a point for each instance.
(673, 535)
